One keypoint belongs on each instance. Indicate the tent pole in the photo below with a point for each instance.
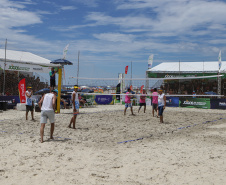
(59, 89)
(4, 68)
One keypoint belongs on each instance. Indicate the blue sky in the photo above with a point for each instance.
(111, 33)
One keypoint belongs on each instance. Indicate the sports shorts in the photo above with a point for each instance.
(160, 108)
(154, 105)
(47, 114)
(128, 105)
(142, 104)
(29, 108)
(52, 82)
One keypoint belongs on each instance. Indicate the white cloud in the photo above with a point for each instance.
(115, 37)
(68, 8)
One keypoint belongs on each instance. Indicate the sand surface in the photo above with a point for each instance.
(110, 148)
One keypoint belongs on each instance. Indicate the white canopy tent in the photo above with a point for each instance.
(187, 70)
(24, 61)
(188, 67)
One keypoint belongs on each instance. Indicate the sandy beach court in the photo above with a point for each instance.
(110, 148)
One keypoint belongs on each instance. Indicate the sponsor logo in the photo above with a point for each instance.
(37, 69)
(18, 68)
(222, 103)
(193, 103)
(177, 76)
(169, 101)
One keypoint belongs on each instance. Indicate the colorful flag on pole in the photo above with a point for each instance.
(22, 90)
(150, 61)
(65, 51)
(219, 60)
(141, 89)
(131, 87)
(126, 69)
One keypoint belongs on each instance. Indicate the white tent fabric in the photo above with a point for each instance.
(188, 67)
(24, 61)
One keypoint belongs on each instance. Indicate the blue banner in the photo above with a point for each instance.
(11, 100)
(104, 99)
(172, 101)
(218, 103)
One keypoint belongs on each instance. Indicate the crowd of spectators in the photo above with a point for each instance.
(12, 80)
(199, 87)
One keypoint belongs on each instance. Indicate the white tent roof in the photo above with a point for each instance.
(24, 57)
(188, 67)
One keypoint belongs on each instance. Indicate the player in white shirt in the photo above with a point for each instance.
(47, 105)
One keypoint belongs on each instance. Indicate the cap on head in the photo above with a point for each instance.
(55, 91)
(75, 87)
(29, 87)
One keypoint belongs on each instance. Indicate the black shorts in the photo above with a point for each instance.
(154, 105)
(29, 108)
(142, 104)
(52, 83)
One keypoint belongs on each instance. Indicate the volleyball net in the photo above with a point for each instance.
(202, 86)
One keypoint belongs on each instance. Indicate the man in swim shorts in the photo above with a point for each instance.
(143, 101)
(29, 103)
(47, 105)
(75, 106)
(128, 102)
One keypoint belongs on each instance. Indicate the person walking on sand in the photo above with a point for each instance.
(161, 104)
(75, 106)
(143, 101)
(47, 105)
(29, 103)
(155, 102)
(128, 101)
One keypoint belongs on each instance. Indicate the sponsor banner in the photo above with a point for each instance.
(11, 100)
(218, 103)
(172, 101)
(22, 90)
(203, 103)
(104, 99)
(25, 67)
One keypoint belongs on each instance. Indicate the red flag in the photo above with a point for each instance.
(22, 90)
(131, 87)
(126, 69)
(141, 89)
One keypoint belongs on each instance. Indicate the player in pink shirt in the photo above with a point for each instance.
(143, 101)
(155, 102)
(128, 102)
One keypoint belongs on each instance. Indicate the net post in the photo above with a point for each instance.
(219, 85)
(59, 89)
(147, 82)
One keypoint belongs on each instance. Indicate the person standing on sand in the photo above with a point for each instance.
(47, 105)
(29, 103)
(161, 104)
(75, 106)
(128, 102)
(52, 75)
(143, 101)
(155, 102)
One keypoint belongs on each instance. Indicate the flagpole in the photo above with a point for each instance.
(179, 75)
(78, 67)
(4, 68)
(219, 77)
(131, 74)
